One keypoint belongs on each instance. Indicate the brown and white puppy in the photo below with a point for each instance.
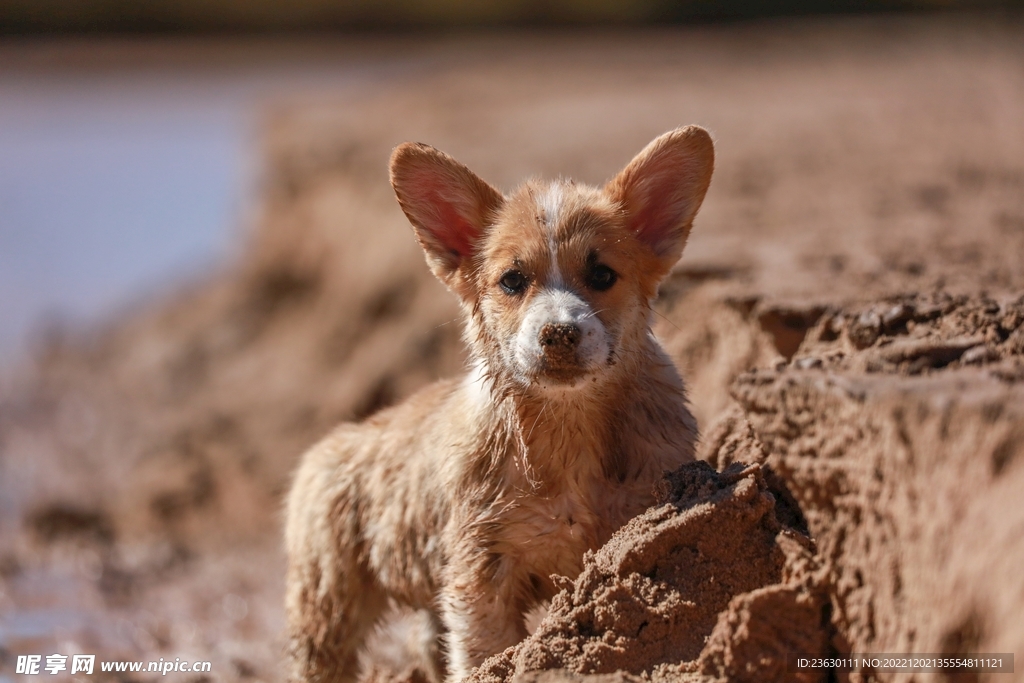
(465, 499)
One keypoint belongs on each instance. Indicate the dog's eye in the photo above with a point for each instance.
(601, 277)
(513, 282)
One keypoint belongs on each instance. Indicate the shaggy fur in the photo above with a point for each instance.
(467, 498)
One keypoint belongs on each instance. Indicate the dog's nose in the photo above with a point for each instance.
(560, 335)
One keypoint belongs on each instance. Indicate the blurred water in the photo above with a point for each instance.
(106, 188)
(125, 167)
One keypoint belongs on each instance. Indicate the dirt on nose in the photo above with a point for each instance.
(559, 336)
(559, 343)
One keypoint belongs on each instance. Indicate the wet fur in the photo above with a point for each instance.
(465, 499)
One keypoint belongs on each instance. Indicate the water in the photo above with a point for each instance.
(127, 166)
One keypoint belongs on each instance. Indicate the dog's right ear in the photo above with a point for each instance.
(447, 204)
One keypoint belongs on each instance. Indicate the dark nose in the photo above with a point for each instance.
(559, 335)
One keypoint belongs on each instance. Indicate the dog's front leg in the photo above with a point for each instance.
(481, 614)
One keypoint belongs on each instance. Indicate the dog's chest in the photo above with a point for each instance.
(548, 534)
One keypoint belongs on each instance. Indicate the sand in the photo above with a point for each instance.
(848, 316)
(709, 584)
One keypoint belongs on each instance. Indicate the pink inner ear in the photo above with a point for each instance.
(454, 231)
(447, 225)
(661, 209)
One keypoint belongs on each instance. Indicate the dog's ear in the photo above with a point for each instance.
(662, 188)
(447, 204)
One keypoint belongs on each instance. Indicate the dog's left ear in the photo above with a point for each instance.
(447, 204)
(662, 188)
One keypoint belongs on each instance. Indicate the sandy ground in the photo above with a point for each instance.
(849, 315)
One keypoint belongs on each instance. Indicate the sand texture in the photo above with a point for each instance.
(713, 565)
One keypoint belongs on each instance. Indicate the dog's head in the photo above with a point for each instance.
(558, 277)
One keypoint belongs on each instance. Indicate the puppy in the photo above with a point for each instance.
(466, 499)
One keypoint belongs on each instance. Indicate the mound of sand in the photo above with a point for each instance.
(860, 247)
(710, 584)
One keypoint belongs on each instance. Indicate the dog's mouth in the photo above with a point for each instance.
(561, 374)
(565, 369)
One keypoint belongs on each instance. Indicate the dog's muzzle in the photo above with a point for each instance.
(559, 343)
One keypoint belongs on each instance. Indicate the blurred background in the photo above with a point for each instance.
(128, 131)
(127, 161)
(273, 16)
